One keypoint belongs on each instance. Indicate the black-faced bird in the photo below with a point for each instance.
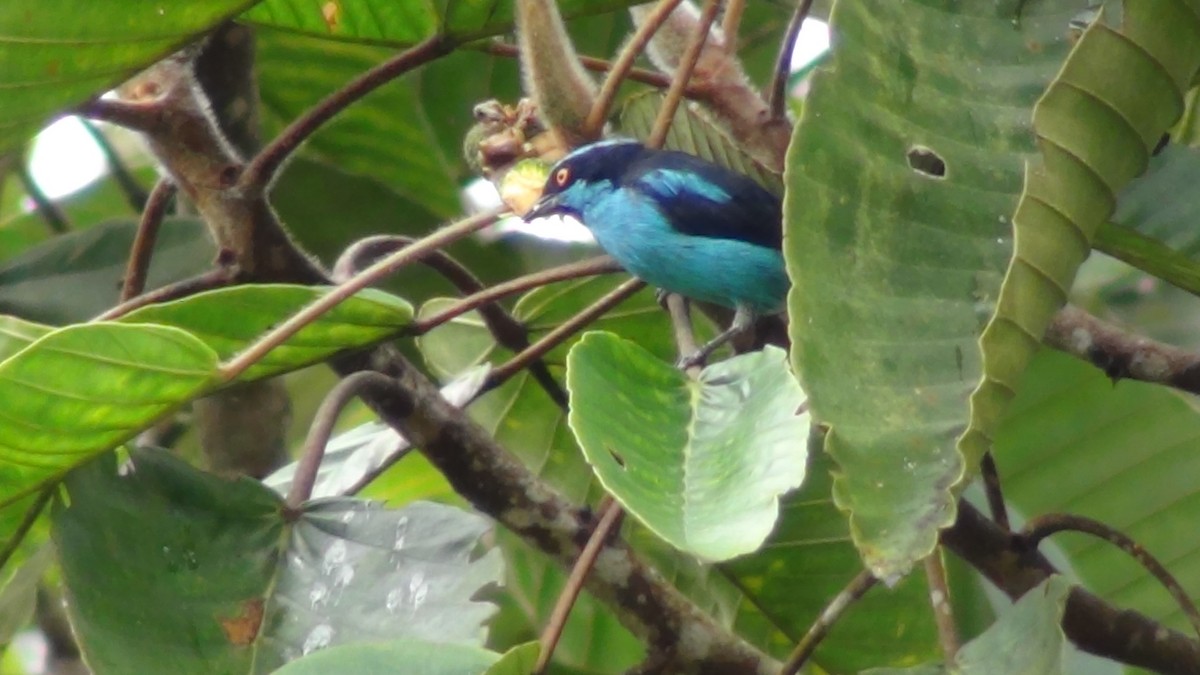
(677, 222)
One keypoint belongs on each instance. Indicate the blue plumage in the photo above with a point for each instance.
(676, 221)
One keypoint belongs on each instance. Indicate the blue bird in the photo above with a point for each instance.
(679, 223)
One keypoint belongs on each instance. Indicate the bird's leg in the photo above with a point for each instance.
(743, 320)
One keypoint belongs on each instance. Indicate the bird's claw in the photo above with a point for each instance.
(696, 358)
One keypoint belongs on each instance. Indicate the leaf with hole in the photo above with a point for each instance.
(702, 463)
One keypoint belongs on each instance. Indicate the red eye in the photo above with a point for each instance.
(562, 176)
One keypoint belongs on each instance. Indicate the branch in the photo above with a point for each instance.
(939, 600)
(322, 426)
(1044, 526)
(620, 68)
(777, 100)
(134, 193)
(262, 169)
(687, 63)
(1120, 354)
(56, 221)
(1091, 623)
(593, 64)
(849, 595)
(134, 281)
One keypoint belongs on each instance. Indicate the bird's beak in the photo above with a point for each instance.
(546, 206)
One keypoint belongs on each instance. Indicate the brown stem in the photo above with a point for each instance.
(620, 68)
(215, 278)
(939, 600)
(508, 332)
(1044, 526)
(143, 242)
(777, 101)
(144, 116)
(262, 169)
(1121, 354)
(322, 426)
(731, 22)
(666, 114)
(476, 301)
(991, 487)
(857, 587)
(564, 330)
(610, 522)
(338, 294)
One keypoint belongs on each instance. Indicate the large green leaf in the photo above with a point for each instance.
(164, 564)
(228, 319)
(896, 268)
(57, 53)
(1097, 124)
(412, 657)
(807, 561)
(72, 278)
(407, 21)
(702, 462)
(84, 389)
(1124, 455)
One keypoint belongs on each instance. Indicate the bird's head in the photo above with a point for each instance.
(583, 176)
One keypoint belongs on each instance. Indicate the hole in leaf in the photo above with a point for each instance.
(925, 161)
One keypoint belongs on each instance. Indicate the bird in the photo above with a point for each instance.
(678, 222)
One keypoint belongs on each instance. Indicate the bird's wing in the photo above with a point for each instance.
(704, 200)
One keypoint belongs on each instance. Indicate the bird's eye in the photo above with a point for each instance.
(562, 176)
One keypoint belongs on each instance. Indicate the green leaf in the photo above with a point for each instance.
(72, 278)
(404, 23)
(517, 661)
(228, 319)
(1097, 125)
(413, 656)
(1122, 454)
(211, 576)
(895, 269)
(57, 53)
(1026, 639)
(702, 463)
(806, 562)
(84, 389)
(17, 334)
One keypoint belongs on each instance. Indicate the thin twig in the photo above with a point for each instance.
(262, 169)
(143, 241)
(1041, 527)
(134, 193)
(476, 301)
(731, 23)
(666, 114)
(146, 116)
(322, 426)
(943, 612)
(338, 294)
(610, 522)
(593, 64)
(26, 524)
(857, 587)
(991, 488)
(508, 332)
(56, 221)
(215, 278)
(777, 100)
(564, 330)
(621, 66)
(1121, 354)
